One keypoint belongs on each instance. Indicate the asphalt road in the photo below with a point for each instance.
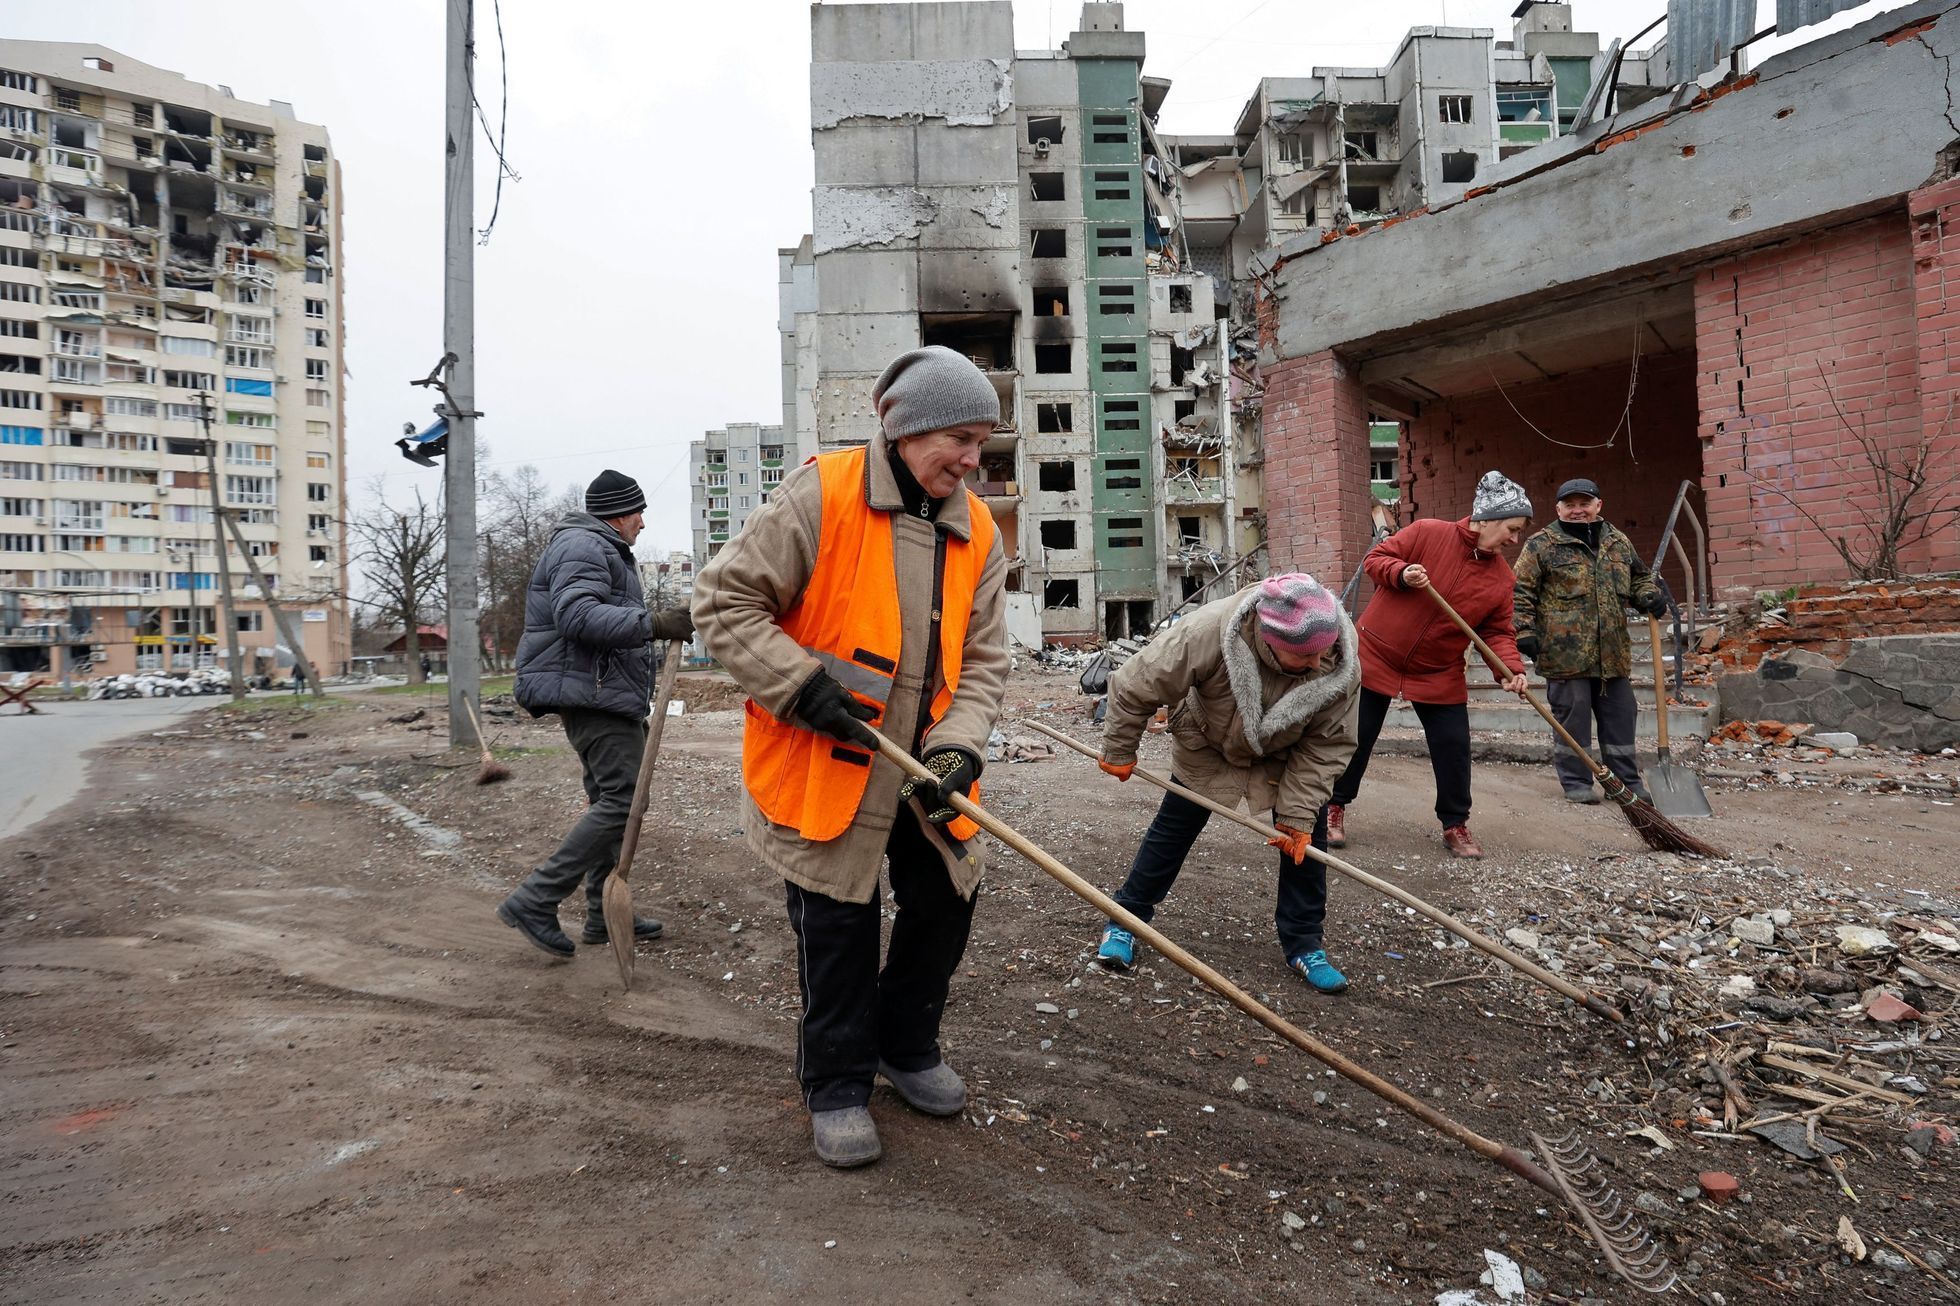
(42, 757)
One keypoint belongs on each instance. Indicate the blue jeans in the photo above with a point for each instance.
(1301, 907)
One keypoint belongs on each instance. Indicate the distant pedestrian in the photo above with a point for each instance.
(871, 587)
(427, 666)
(585, 654)
(1576, 579)
(1409, 649)
(1262, 687)
(299, 678)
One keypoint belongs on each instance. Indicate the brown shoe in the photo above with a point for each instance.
(1458, 840)
(1336, 826)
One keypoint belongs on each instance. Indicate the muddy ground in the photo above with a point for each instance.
(262, 1039)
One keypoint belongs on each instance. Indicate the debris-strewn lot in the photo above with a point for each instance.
(263, 1040)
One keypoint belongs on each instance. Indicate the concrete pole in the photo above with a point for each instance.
(459, 342)
(229, 618)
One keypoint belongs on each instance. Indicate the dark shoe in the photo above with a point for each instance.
(1587, 796)
(845, 1137)
(1336, 826)
(541, 928)
(937, 1091)
(1458, 840)
(644, 928)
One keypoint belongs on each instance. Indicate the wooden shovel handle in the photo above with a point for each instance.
(1660, 684)
(629, 843)
(1591, 762)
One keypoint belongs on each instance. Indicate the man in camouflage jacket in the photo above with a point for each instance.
(1576, 579)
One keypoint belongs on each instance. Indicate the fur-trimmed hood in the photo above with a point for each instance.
(1244, 655)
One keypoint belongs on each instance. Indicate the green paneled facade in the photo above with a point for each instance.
(1117, 317)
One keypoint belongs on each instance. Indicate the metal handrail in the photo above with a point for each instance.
(1693, 570)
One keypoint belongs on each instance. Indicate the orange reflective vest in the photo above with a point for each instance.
(848, 619)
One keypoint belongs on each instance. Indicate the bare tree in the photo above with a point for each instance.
(1915, 492)
(401, 551)
(520, 512)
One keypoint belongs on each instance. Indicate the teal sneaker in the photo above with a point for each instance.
(1319, 972)
(1117, 949)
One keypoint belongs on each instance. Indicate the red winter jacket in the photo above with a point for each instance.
(1408, 647)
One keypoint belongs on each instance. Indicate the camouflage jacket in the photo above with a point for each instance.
(1575, 602)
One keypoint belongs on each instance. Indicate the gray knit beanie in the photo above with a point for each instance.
(1499, 497)
(931, 389)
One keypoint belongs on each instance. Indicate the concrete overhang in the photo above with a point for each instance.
(1105, 45)
(1842, 127)
(1155, 91)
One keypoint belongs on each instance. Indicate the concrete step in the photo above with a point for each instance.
(1507, 714)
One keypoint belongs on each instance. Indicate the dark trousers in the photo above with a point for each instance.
(1446, 729)
(1301, 906)
(1577, 703)
(855, 1014)
(609, 747)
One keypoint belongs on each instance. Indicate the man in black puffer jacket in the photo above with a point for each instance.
(585, 655)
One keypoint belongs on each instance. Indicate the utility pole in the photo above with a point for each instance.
(459, 346)
(230, 616)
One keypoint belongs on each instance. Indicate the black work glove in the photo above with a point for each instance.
(673, 623)
(957, 770)
(827, 708)
(1528, 645)
(1654, 605)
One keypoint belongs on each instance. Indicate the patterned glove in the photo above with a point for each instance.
(957, 770)
(827, 708)
(1294, 843)
(1120, 772)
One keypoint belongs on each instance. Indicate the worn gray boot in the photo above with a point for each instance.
(845, 1137)
(937, 1091)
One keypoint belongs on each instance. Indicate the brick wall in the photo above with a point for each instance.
(1935, 215)
(1785, 338)
(1457, 440)
(1825, 618)
(1316, 472)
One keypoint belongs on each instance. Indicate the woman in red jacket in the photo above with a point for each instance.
(1409, 649)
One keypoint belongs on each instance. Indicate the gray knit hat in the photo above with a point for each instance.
(1499, 497)
(931, 389)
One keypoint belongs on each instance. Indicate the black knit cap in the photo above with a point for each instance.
(614, 494)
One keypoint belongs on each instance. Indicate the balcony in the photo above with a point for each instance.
(1194, 489)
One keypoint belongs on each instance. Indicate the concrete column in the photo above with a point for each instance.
(1317, 496)
(1935, 214)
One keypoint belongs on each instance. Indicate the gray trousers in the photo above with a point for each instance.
(609, 745)
(1576, 703)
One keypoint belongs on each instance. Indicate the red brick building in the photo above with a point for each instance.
(1726, 287)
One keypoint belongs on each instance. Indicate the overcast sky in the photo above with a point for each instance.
(626, 301)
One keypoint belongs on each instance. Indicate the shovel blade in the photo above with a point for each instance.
(1677, 791)
(618, 903)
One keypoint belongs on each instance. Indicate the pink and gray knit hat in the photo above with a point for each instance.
(1297, 615)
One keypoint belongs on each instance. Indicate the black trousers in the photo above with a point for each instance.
(1577, 703)
(1301, 906)
(856, 1014)
(1446, 729)
(609, 749)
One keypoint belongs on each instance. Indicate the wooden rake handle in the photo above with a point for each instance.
(1590, 1001)
(1605, 776)
(1508, 1157)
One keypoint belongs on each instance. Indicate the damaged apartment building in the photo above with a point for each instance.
(160, 241)
(1017, 206)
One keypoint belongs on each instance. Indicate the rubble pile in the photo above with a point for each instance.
(1785, 753)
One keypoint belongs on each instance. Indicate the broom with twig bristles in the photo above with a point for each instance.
(491, 770)
(1655, 830)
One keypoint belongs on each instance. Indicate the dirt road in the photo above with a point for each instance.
(262, 1040)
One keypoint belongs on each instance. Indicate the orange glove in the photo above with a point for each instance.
(1293, 843)
(1120, 772)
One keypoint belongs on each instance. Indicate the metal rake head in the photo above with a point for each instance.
(1621, 1238)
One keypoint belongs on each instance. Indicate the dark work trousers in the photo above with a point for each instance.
(609, 747)
(1577, 703)
(1446, 729)
(1301, 906)
(855, 1014)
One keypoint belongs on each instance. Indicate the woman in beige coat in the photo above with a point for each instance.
(1262, 688)
(869, 589)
